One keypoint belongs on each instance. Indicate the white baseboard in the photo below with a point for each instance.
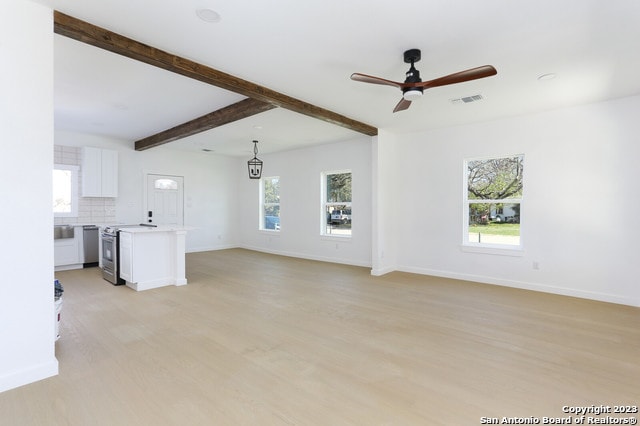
(157, 283)
(29, 375)
(377, 272)
(69, 267)
(210, 248)
(544, 288)
(309, 256)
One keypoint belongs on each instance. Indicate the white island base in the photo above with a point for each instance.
(152, 257)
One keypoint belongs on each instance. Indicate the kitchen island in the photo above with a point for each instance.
(152, 257)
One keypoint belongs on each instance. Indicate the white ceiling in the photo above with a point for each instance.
(308, 50)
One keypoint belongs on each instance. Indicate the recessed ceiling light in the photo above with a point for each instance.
(208, 15)
(547, 77)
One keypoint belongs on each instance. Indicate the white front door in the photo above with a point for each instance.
(165, 200)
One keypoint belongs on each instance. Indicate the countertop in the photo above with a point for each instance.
(100, 225)
(159, 228)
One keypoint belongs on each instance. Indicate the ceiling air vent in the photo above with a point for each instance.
(467, 99)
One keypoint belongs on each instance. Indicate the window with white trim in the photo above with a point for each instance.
(336, 203)
(492, 202)
(270, 203)
(65, 190)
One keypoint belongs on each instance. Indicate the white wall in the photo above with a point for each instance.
(579, 208)
(300, 203)
(26, 154)
(210, 187)
(578, 213)
(386, 213)
(222, 203)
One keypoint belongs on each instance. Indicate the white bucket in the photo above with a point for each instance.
(58, 308)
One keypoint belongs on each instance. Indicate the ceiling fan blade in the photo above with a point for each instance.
(374, 80)
(458, 77)
(402, 105)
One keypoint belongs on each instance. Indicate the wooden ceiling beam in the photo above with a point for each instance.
(238, 111)
(85, 32)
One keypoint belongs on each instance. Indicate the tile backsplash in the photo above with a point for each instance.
(91, 210)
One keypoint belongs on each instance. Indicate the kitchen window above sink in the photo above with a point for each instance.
(65, 190)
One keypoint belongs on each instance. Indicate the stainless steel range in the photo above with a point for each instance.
(111, 252)
(110, 264)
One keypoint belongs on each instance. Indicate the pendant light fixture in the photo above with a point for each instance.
(255, 164)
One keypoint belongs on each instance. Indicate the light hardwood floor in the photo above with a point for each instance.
(257, 339)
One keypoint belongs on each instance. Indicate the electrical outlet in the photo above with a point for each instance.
(536, 265)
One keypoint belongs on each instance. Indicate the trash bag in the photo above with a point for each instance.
(57, 290)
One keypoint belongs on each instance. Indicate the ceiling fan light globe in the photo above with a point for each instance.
(412, 94)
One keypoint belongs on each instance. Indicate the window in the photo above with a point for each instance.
(493, 195)
(165, 184)
(65, 191)
(270, 203)
(336, 203)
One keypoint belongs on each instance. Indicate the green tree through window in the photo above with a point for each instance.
(494, 191)
(339, 187)
(270, 203)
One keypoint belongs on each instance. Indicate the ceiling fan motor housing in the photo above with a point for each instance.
(412, 76)
(412, 93)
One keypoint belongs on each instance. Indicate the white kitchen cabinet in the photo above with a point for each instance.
(126, 256)
(109, 173)
(68, 252)
(99, 172)
(152, 257)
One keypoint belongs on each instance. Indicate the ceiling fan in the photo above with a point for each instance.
(413, 86)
